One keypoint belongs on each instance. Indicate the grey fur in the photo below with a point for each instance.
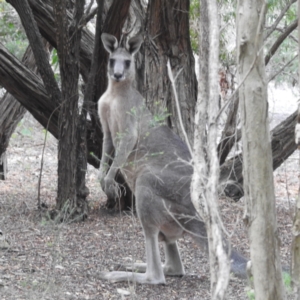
(155, 164)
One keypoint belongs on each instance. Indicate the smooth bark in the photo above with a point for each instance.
(260, 215)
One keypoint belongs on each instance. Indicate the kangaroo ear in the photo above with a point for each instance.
(110, 43)
(134, 44)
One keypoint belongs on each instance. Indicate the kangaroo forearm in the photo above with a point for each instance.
(107, 151)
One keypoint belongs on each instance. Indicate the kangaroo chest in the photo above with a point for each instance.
(114, 112)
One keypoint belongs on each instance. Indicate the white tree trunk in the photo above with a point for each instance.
(260, 212)
(204, 188)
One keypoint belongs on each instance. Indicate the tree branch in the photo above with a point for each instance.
(280, 40)
(279, 18)
(37, 47)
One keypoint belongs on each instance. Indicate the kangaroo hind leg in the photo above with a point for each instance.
(154, 271)
(172, 266)
(147, 213)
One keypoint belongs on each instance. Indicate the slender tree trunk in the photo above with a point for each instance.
(295, 264)
(260, 213)
(204, 191)
(167, 38)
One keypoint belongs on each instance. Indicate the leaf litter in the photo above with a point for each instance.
(44, 260)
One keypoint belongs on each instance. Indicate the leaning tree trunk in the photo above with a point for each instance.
(260, 213)
(283, 145)
(168, 38)
(12, 112)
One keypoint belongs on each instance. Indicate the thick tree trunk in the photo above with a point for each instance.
(167, 38)
(68, 36)
(260, 213)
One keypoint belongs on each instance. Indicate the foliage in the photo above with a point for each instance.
(227, 19)
(287, 280)
(160, 114)
(11, 31)
(251, 294)
(194, 17)
(288, 48)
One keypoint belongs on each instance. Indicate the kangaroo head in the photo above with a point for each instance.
(121, 63)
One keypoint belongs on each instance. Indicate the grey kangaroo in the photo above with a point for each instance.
(155, 164)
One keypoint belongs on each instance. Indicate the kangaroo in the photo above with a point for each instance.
(155, 163)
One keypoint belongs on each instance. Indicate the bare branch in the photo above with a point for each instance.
(272, 28)
(282, 68)
(172, 79)
(280, 40)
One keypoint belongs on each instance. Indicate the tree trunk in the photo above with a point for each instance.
(260, 213)
(167, 38)
(68, 36)
(295, 261)
(204, 187)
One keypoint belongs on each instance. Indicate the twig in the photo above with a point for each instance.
(251, 67)
(172, 79)
(282, 68)
(279, 18)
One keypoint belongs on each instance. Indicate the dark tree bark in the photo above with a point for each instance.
(89, 94)
(28, 89)
(44, 17)
(283, 145)
(11, 114)
(68, 36)
(167, 38)
(37, 47)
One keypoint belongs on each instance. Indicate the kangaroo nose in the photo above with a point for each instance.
(118, 76)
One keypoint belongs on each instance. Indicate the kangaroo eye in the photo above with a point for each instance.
(111, 62)
(127, 63)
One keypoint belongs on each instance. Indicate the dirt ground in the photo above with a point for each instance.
(43, 260)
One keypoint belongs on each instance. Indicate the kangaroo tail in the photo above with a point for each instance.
(196, 229)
